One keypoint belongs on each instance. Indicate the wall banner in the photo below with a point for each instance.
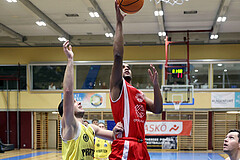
(91, 100)
(168, 128)
(161, 142)
(237, 99)
(223, 99)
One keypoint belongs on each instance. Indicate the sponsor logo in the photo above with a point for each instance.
(85, 137)
(163, 127)
(140, 111)
(88, 152)
(96, 100)
(139, 120)
(101, 150)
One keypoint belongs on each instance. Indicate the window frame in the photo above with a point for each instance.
(26, 74)
(210, 73)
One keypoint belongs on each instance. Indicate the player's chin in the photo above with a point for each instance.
(127, 76)
(80, 114)
(225, 150)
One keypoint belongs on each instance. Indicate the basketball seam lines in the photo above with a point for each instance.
(128, 10)
(130, 3)
(121, 3)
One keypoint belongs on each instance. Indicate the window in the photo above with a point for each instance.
(98, 76)
(47, 77)
(199, 76)
(93, 76)
(140, 76)
(9, 76)
(226, 75)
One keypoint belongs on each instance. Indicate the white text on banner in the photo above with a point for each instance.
(168, 128)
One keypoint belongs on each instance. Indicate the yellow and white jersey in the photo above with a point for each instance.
(102, 149)
(81, 147)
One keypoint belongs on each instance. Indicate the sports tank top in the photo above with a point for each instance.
(81, 147)
(102, 148)
(130, 109)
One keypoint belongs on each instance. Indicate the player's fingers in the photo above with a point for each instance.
(119, 124)
(65, 44)
(150, 73)
(153, 68)
(119, 130)
(116, 5)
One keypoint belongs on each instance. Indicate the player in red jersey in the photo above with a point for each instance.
(129, 105)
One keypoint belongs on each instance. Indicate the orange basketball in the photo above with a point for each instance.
(130, 6)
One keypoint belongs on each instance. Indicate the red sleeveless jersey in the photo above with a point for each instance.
(130, 109)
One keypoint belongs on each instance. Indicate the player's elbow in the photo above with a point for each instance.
(67, 90)
(158, 109)
(117, 55)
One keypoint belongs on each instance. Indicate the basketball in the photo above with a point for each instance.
(130, 6)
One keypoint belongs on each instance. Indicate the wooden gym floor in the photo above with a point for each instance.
(28, 154)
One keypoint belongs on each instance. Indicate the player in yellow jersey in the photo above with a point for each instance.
(78, 140)
(102, 147)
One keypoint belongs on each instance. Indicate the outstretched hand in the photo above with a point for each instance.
(68, 50)
(119, 15)
(153, 74)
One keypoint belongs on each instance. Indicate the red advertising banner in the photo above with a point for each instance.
(168, 128)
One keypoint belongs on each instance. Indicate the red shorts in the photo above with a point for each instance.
(129, 148)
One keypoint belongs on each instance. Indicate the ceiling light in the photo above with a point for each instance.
(10, 1)
(96, 14)
(108, 34)
(224, 19)
(219, 64)
(54, 112)
(158, 13)
(161, 34)
(161, 13)
(93, 14)
(41, 23)
(221, 19)
(219, 76)
(214, 36)
(62, 39)
(193, 76)
(225, 70)
(196, 70)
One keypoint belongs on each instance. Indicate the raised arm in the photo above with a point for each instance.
(69, 122)
(157, 105)
(116, 75)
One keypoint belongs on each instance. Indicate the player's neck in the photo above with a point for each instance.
(80, 120)
(235, 155)
(128, 79)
